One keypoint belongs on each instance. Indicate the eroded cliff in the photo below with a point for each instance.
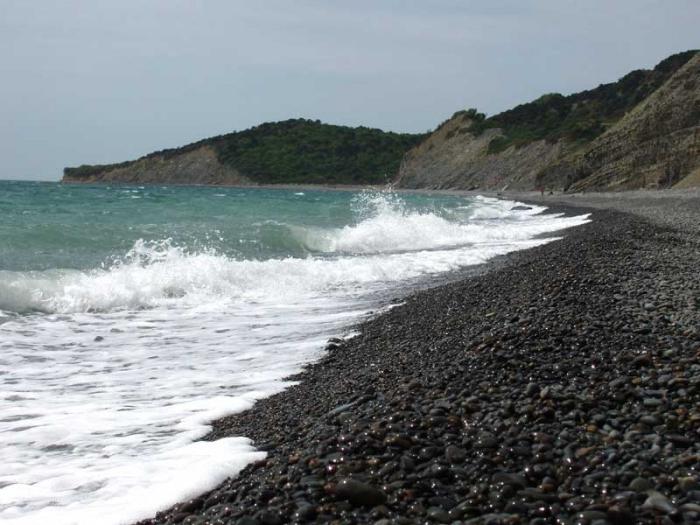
(655, 145)
(454, 158)
(640, 132)
(198, 166)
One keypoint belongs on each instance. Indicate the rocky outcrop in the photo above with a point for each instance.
(454, 158)
(197, 166)
(655, 144)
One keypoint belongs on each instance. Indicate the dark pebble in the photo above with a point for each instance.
(359, 493)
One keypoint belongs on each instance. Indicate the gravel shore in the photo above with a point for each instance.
(561, 386)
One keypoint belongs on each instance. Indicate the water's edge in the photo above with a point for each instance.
(225, 426)
(385, 300)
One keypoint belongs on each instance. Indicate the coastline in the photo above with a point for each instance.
(316, 187)
(561, 382)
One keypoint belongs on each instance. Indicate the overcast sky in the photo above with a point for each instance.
(84, 81)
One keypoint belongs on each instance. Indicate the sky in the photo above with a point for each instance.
(87, 82)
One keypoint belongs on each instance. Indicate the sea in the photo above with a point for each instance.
(133, 316)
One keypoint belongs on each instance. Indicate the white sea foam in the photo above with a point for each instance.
(160, 274)
(393, 229)
(93, 427)
(102, 431)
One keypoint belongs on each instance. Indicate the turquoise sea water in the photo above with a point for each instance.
(49, 225)
(131, 316)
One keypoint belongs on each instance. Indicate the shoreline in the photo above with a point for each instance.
(561, 382)
(308, 187)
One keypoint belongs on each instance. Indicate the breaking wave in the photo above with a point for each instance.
(388, 243)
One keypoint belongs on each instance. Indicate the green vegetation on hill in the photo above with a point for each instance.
(579, 117)
(298, 151)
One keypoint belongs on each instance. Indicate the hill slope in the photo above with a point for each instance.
(641, 131)
(296, 151)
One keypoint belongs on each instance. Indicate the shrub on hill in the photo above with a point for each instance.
(579, 117)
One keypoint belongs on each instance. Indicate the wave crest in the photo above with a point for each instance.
(389, 226)
(389, 243)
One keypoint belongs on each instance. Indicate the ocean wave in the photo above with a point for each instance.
(389, 226)
(389, 243)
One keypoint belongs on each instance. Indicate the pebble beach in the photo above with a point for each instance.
(561, 384)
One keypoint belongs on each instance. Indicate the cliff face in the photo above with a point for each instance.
(653, 143)
(454, 158)
(198, 166)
